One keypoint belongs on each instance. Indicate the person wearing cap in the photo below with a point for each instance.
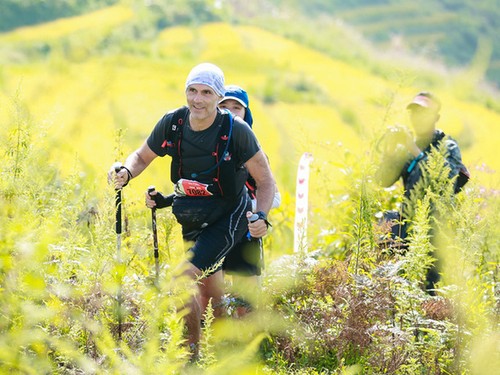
(411, 151)
(211, 202)
(406, 155)
(246, 260)
(236, 100)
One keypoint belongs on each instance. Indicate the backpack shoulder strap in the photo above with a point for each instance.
(438, 138)
(173, 131)
(173, 136)
(226, 132)
(223, 141)
(439, 135)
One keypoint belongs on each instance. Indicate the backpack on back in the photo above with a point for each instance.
(226, 181)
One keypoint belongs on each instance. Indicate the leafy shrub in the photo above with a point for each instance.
(371, 311)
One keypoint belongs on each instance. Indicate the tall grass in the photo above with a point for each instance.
(60, 278)
(367, 311)
(69, 306)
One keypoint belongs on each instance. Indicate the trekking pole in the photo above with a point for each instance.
(118, 215)
(118, 228)
(155, 236)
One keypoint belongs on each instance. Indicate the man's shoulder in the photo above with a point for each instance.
(179, 112)
(167, 117)
(448, 140)
(441, 137)
(240, 126)
(181, 109)
(174, 116)
(164, 133)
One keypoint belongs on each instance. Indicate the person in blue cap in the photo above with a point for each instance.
(236, 100)
(211, 153)
(246, 261)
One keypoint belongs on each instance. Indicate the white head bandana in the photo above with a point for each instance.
(207, 74)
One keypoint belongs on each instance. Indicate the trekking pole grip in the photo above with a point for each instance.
(150, 190)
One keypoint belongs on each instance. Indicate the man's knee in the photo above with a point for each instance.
(188, 269)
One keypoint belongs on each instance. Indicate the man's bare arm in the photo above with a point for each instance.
(135, 164)
(259, 169)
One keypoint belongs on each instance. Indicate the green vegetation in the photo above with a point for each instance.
(17, 13)
(78, 94)
(402, 26)
(454, 32)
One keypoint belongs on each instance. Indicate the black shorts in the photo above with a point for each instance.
(398, 231)
(213, 242)
(246, 258)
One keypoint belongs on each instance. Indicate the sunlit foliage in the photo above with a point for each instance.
(78, 94)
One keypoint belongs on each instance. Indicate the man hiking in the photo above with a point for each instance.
(212, 153)
(406, 156)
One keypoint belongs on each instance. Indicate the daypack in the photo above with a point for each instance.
(411, 173)
(229, 178)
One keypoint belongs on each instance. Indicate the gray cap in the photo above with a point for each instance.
(207, 74)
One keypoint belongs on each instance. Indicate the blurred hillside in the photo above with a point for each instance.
(79, 92)
(461, 34)
(89, 88)
(457, 33)
(92, 87)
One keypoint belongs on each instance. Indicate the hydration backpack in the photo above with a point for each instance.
(411, 173)
(229, 178)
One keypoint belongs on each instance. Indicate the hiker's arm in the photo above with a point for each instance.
(136, 162)
(259, 169)
(389, 171)
(277, 195)
(397, 147)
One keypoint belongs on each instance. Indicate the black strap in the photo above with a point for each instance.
(226, 147)
(173, 140)
(410, 166)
